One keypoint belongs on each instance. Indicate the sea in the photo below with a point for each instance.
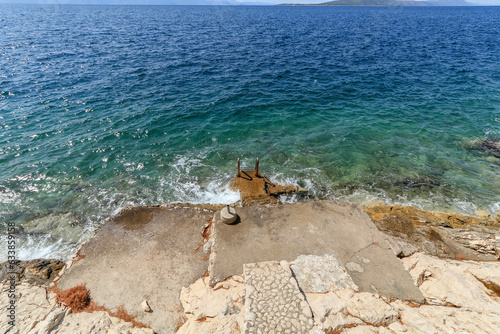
(104, 107)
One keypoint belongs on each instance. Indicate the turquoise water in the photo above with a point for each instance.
(105, 107)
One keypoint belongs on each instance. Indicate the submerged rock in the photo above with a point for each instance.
(60, 227)
(421, 182)
(492, 145)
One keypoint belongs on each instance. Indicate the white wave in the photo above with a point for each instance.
(8, 196)
(39, 248)
(215, 192)
(185, 165)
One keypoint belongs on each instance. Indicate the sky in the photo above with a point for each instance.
(211, 2)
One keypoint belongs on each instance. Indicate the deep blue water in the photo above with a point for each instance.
(105, 107)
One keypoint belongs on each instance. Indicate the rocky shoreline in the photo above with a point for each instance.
(451, 261)
(441, 234)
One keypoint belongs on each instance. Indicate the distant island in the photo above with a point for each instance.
(387, 3)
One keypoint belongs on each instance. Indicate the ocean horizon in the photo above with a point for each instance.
(103, 107)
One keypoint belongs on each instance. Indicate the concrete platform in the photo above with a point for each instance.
(150, 253)
(283, 232)
(145, 253)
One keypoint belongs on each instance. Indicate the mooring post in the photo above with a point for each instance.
(238, 173)
(227, 216)
(257, 167)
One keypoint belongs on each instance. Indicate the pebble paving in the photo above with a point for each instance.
(273, 301)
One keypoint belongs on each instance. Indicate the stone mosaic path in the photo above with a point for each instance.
(273, 301)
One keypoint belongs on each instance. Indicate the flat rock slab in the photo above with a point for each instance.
(273, 301)
(321, 274)
(144, 253)
(283, 232)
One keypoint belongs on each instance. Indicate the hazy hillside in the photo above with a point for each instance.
(390, 3)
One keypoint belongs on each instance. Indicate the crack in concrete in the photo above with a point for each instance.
(212, 238)
(364, 248)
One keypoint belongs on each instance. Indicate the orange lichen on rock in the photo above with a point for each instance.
(417, 216)
(443, 234)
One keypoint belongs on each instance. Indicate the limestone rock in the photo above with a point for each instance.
(37, 312)
(339, 321)
(371, 309)
(400, 247)
(51, 320)
(400, 305)
(397, 327)
(224, 325)
(201, 301)
(321, 274)
(32, 306)
(324, 305)
(43, 270)
(331, 311)
(96, 322)
(145, 306)
(482, 213)
(367, 330)
(466, 284)
(481, 242)
(440, 319)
